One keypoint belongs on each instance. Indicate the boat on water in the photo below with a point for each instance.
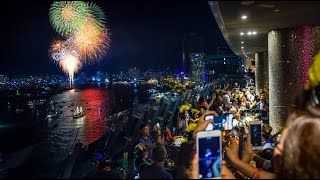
(52, 114)
(78, 112)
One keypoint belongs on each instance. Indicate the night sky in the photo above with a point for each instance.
(144, 34)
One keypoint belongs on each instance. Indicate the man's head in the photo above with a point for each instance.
(201, 99)
(159, 153)
(203, 109)
(262, 98)
(229, 94)
(234, 102)
(144, 129)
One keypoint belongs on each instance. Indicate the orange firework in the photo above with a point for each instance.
(91, 41)
(56, 45)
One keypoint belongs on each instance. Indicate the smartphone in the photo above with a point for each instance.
(187, 116)
(210, 126)
(222, 122)
(209, 149)
(242, 145)
(256, 133)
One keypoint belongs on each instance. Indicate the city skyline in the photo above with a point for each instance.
(147, 35)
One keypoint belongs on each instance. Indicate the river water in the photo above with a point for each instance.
(29, 137)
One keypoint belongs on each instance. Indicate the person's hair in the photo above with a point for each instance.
(143, 125)
(184, 155)
(219, 103)
(203, 107)
(234, 100)
(301, 149)
(183, 161)
(201, 100)
(159, 153)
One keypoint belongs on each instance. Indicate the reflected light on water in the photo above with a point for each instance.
(100, 108)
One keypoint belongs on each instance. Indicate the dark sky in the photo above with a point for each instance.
(143, 34)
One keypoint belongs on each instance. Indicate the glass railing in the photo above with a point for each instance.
(56, 155)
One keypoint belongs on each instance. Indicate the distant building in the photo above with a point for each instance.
(192, 43)
(223, 64)
(197, 67)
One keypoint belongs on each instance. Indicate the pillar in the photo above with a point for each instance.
(247, 63)
(290, 53)
(261, 77)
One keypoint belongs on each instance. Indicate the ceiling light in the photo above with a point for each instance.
(247, 2)
(242, 47)
(249, 33)
(242, 42)
(241, 33)
(254, 32)
(244, 17)
(276, 10)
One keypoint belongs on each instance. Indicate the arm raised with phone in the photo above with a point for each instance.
(242, 166)
(203, 124)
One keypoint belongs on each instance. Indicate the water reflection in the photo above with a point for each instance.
(96, 105)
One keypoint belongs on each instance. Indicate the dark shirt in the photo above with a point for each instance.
(140, 164)
(219, 111)
(215, 105)
(155, 172)
(147, 142)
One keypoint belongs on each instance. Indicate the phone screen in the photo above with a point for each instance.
(210, 126)
(223, 122)
(209, 157)
(187, 116)
(255, 131)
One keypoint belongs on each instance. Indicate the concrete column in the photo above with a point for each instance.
(247, 63)
(261, 78)
(290, 53)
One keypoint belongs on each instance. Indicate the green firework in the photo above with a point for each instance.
(66, 17)
(98, 14)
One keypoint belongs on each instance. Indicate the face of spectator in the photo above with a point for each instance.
(220, 98)
(186, 112)
(145, 131)
(235, 102)
(202, 111)
(196, 115)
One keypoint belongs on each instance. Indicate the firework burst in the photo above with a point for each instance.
(70, 64)
(67, 16)
(83, 26)
(92, 42)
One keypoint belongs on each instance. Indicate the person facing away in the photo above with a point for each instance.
(157, 169)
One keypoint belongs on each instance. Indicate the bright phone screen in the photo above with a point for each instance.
(255, 131)
(222, 122)
(209, 157)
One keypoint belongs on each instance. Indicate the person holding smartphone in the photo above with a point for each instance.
(146, 139)
(203, 124)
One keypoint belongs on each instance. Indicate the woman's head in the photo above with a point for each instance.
(185, 154)
(300, 148)
(201, 99)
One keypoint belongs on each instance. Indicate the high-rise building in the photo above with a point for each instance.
(197, 67)
(192, 43)
(223, 64)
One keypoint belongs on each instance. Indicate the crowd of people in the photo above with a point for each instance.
(170, 152)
